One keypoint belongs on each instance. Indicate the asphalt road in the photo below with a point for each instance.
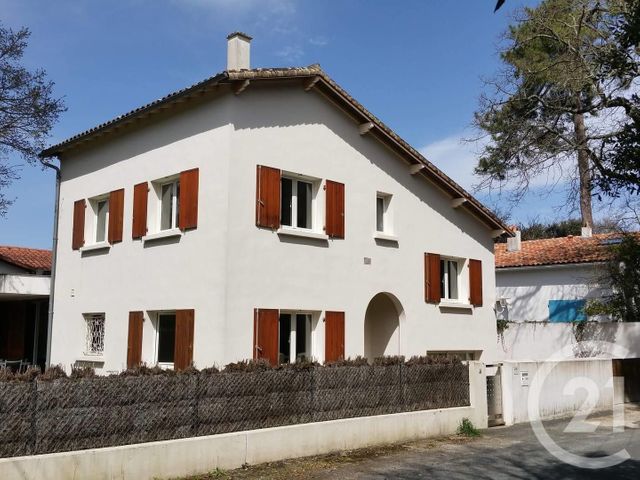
(506, 453)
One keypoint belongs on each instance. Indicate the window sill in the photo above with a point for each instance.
(95, 246)
(174, 232)
(387, 237)
(90, 358)
(461, 306)
(295, 232)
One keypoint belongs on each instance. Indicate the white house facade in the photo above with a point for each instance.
(263, 213)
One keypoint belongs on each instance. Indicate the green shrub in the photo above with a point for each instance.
(467, 429)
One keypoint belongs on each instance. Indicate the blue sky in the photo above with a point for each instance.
(415, 64)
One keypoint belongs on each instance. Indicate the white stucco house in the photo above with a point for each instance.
(263, 213)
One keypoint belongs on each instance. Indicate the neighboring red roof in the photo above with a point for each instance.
(556, 251)
(28, 258)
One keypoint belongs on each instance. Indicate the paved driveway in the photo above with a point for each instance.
(506, 453)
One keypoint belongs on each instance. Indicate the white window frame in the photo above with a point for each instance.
(174, 183)
(311, 321)
(156, 325)
(89, 320)
(93, 224)
(314, 210)
(444, 293)
(387, 213)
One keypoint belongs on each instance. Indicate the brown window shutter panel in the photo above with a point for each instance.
(139, 223)
(116, 215)
(183, 353)
(189, 180)
(334, 226)
(267, 197)
(78, 224)
(265, 334)
(334, 336)
(134, 342)
(475, 282)
(432, 292)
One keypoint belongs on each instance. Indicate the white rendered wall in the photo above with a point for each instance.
(227, 266)
(539, 341)
(528, 290)
(556, 398)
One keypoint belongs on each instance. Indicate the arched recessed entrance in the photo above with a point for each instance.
(382, 326)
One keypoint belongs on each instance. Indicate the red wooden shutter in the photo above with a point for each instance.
(432, 292)
(334, 209)
(116, 213)
(475, 282)
(189, 199)
(134, 342)
(78, 224)
(140, 195)
(265, 334)
(183, 353)
(268, 197)
(334, 336)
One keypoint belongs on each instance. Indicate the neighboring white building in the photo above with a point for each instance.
(542, 289)
(263, 213)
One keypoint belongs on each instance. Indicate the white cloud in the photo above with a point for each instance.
(455, 157)
(318, 41)
(290, 53)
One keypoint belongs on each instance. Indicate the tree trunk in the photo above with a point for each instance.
(584, 169)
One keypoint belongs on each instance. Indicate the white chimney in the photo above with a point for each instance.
(238, 48)
(514, 244)
(587, 232)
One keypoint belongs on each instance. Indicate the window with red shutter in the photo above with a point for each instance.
(334, 226)
(334, 336)
(78, 224)
(268, 197)
(188, 217)
(475, 282)
(116, 215)
(140, 199)
(134, 341)
(432, 278)
(265, 334)
(183, 354)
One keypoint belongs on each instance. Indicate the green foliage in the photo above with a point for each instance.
(502, 325)
(467, 429)
(623, 274)
(566, 62)
(564, 228)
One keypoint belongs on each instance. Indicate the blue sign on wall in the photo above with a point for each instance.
(567, 310)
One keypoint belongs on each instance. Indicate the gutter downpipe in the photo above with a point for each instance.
(53, 261)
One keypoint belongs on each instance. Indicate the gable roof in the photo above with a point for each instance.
(27, 258)
(312, 78)
(557, 251)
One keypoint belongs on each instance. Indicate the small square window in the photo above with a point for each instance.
(296, 205)
(94, 340)
(449, 279)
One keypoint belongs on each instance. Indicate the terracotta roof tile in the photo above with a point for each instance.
(556, 251)
(28, 258)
